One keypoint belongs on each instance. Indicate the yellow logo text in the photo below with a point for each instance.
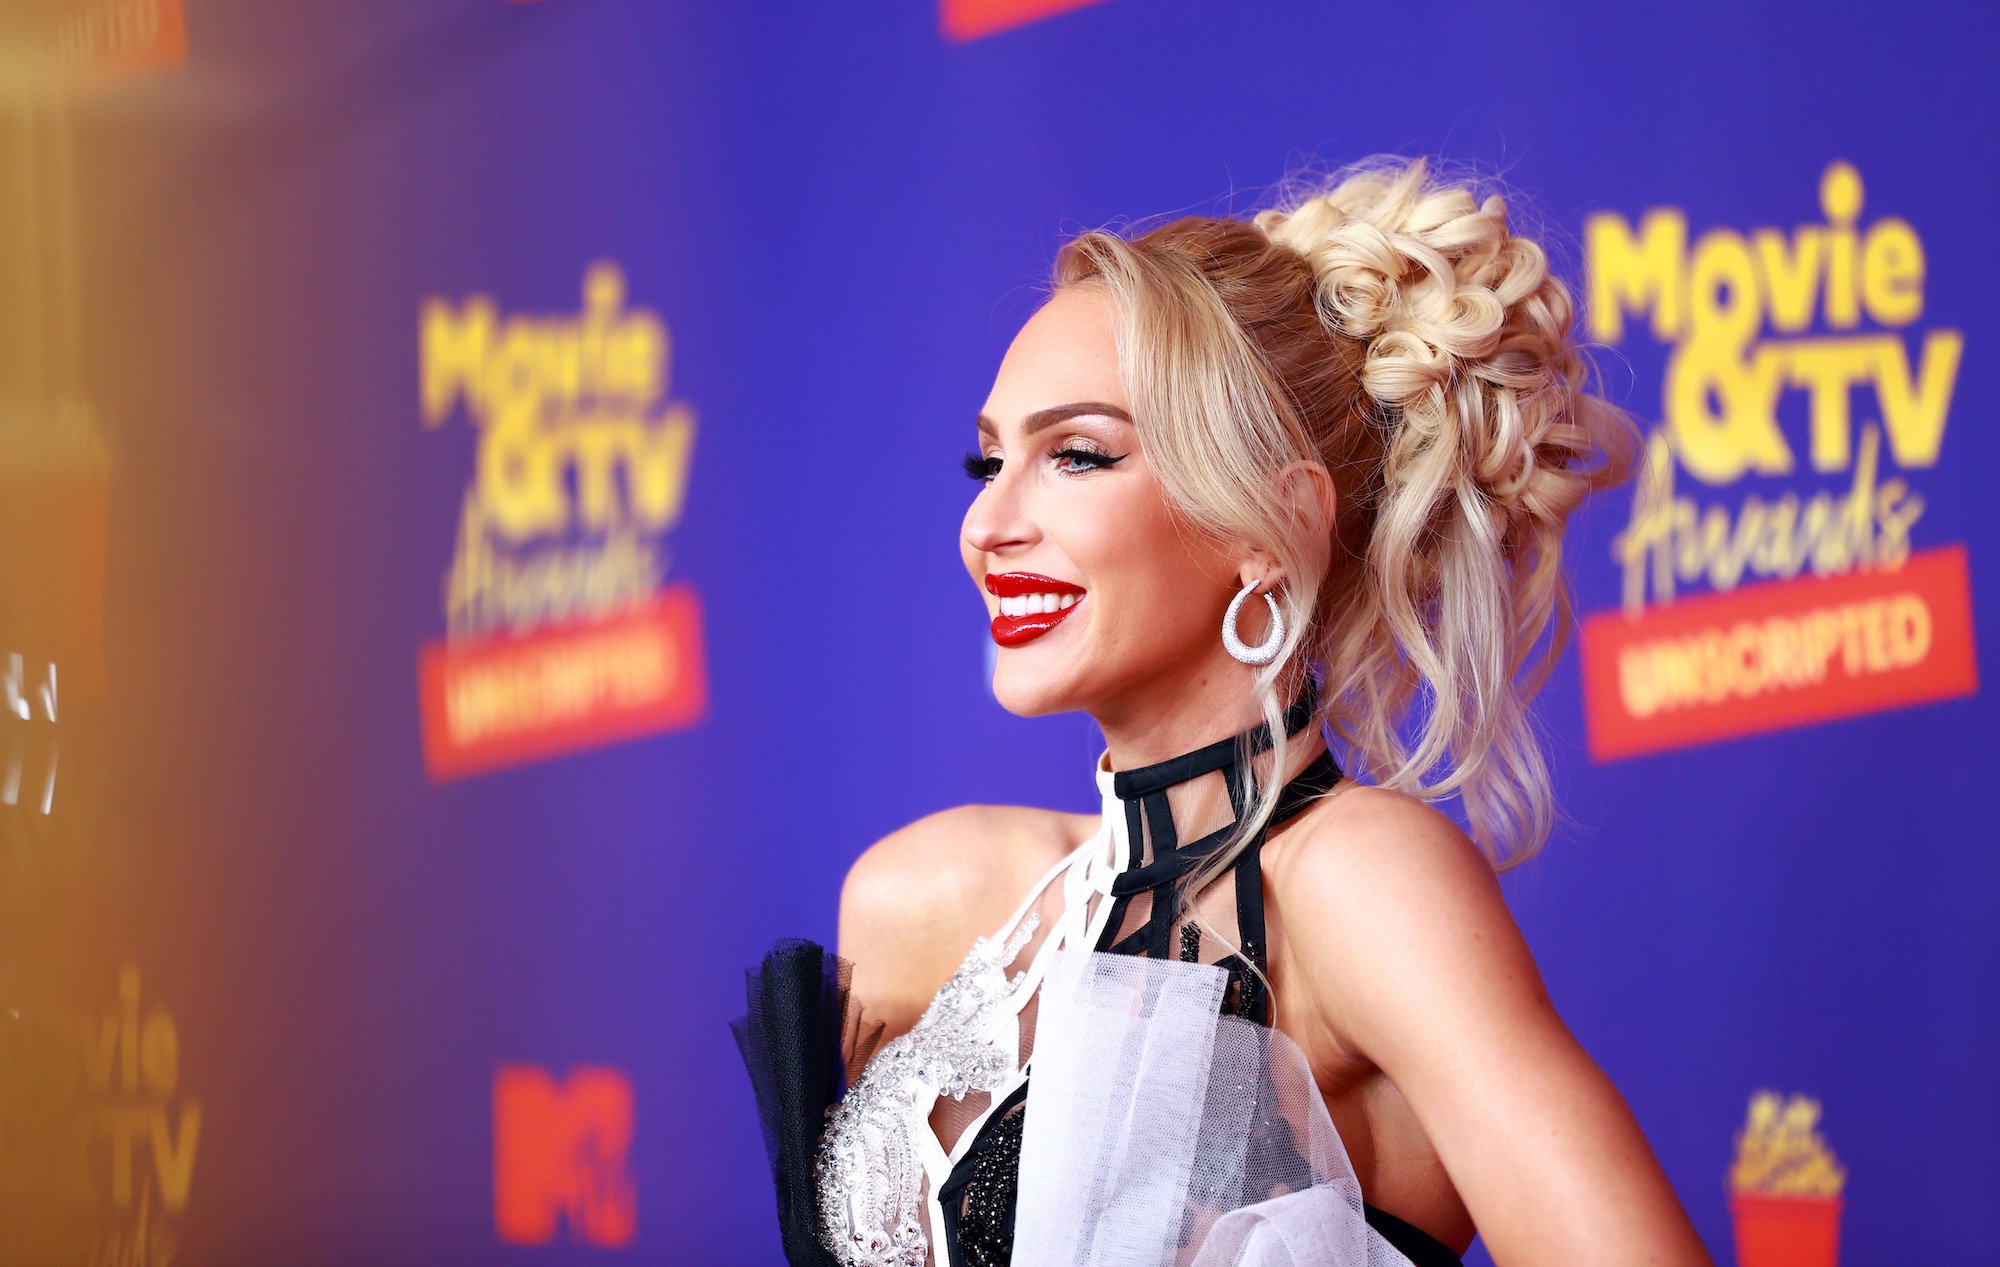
(581, 464)
(1768, 323)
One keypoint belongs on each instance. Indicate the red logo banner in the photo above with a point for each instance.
(1779, 654)
(971, 19)
(513, 698)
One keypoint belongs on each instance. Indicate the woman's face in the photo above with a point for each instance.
(1101, 599)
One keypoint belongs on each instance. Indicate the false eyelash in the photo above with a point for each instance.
(981, 467)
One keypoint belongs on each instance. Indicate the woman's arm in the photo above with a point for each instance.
(1417, 964)
(902, 908)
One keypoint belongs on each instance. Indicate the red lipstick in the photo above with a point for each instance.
(1015, 631)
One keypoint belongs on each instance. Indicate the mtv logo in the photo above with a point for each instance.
(560, 1149)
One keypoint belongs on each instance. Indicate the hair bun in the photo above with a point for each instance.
(1422, 273)
(1466, 331)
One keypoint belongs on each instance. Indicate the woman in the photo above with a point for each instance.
(1241, 481)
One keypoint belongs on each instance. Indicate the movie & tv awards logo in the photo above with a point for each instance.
(1799, 364)
(97, 1136)
(562, 632)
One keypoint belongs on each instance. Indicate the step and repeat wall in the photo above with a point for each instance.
(479, 500)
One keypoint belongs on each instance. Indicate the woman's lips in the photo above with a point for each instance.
(1040, 603)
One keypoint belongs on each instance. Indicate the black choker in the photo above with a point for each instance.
(1145, 789)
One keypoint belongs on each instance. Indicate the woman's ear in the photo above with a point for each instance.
(1308, 489)
(1310, 498)
(1263, 568)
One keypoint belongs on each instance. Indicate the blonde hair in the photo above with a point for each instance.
(1387, 324)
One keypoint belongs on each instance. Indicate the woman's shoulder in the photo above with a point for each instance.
(1392, 912)
(913, 902)
(956, 856)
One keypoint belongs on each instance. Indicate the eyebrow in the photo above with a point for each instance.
(1049, 417)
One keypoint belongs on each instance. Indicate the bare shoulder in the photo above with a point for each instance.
(1395, 917)
(913, 902)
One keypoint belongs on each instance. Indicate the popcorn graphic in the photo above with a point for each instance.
(1785, 1186)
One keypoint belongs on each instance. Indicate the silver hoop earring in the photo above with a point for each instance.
(1265, 651)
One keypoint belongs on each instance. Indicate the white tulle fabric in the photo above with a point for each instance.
(1160, 1132)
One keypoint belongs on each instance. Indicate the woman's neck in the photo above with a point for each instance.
(1201, 804)
(1171, 717)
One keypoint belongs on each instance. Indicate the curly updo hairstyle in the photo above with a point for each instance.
(1390, 326)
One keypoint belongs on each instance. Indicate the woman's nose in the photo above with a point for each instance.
(997, 518)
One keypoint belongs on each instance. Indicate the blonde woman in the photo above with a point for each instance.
(1244, 486)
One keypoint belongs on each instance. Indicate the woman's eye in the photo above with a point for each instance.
(981, 467)
(1088, 459)
(1068, 461)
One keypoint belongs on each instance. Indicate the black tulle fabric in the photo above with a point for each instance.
(798, 1022)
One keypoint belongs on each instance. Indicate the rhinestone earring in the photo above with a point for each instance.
(1265, 651)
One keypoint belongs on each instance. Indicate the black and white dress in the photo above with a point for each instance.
(1171, 1126)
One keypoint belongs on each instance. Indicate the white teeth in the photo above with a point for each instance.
(1037, 604)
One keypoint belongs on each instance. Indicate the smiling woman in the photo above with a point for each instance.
(1274, 1013)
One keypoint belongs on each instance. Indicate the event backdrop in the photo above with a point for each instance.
(479, 497)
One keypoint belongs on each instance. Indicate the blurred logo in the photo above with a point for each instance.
(97, 1142)
(1784, 1187)
(1804, 601)
(970, 19)
(559, 1151)
(561, 630)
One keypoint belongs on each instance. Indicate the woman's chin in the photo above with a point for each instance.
(1028, 694)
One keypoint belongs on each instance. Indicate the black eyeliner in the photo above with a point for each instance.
(1092, 458)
